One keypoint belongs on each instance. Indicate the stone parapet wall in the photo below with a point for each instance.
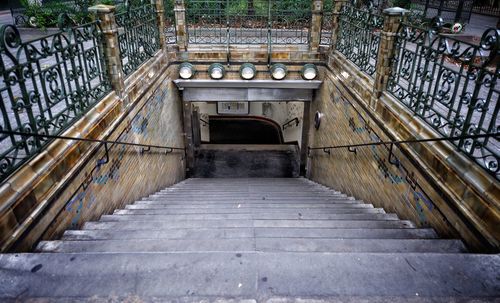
(71, 182)
(435, 186)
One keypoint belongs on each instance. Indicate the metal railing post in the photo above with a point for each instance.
(160, 16)
(392, 20)
(316, 24)
(106, 16)
(181, 25)
(337, 9)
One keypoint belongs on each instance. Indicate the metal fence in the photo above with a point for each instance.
(359, 37)
(46, 85)
(449, 10)
(245, 22)
(326, 29)
(170, 26)
(138, 36)
(452, 85)
(489, 10)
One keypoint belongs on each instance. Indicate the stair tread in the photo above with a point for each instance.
(295, 216)
(250, 205)
(167, 211)
(248, 223)
(248, 274)
(203, 233)
(257, 244)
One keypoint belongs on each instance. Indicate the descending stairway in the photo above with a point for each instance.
(256, 239)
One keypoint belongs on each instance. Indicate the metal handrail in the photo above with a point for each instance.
(288, 123)
(352, 147)
(206, 123)
(146, 147)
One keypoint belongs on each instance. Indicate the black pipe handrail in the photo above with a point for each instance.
(206, 123)
(352, 147)
(288, 123)
(146, 147)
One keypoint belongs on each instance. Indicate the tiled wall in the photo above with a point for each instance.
(368, 173)
(98, 185)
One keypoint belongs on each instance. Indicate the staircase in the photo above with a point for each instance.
(258, 240)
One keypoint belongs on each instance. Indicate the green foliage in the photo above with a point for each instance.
(43, 15)
(46, 14)
(215, 11)
(401, 3)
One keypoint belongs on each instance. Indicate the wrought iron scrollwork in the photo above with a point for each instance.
(234, 22)
(452, 85)
(47, 84)
(170, 26)
(359, 37)
(138, 37)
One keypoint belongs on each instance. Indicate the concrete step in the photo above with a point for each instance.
(252, 207)
(229, 233)
(248, 188)
(267, 211)
(154, 225)
(359, 245)
(247, 205)
(252, 192)
(246, 200)
(297, 216)
(147, 245)
(386, 277)
(258, 244)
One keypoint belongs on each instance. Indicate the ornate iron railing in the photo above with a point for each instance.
(453, 86)
(240, 22)
(359, 37)
(449, 10)
(46, 84)
(206, 21)
(326, 29)
(170, 26)
(327, 23)
(138, 36)
(247, 24)
(290, 25)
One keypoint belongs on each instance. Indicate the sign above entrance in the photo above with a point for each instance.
(232, 108)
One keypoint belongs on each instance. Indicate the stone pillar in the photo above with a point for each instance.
(306, 122)
(316, 24)
(393, 17)
(337, 8)
(181, 25)
(187, 112)
(160, 16)
(106, 15)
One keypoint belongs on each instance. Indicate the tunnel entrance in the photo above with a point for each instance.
(244, 130)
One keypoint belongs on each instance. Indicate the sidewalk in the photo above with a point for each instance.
(5, 17)
(479, 24)
(26, 33)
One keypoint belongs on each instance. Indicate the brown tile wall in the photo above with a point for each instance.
(48, 195)
(421, 189)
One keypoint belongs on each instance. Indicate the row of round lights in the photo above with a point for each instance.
(248, 71)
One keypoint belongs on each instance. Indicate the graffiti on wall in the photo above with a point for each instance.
(107, 171)
(390, 168)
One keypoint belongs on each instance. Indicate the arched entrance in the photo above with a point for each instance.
(244, 130)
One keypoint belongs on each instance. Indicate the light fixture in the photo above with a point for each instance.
(186, 70)
(248, 71)
(278, 71)
(309, 72)
(216, 71)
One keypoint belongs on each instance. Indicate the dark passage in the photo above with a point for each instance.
(244, 130)
(246, 161)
